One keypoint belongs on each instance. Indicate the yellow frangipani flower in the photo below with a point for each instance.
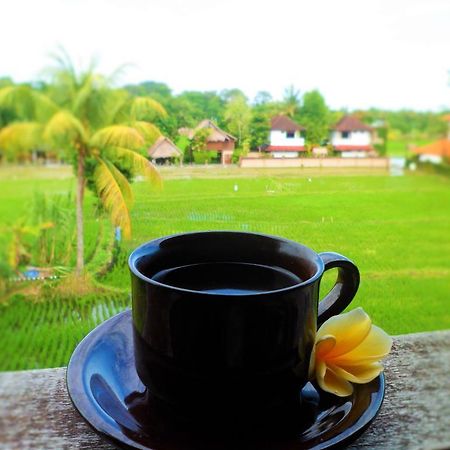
(348, 349)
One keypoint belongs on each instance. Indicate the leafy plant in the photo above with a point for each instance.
(84, 117)
(54, 244)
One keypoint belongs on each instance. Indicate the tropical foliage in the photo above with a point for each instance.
(189, 108)
(315, 117)
(92, 124)
(238, 116)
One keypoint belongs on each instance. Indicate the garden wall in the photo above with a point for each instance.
(379, 163)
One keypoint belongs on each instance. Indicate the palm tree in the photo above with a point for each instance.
(291, 101)
(91, 123)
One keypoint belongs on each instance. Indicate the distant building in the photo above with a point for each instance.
(435, 152)
(218, 140)
(164, 150)
(352, 138)
(286, 138)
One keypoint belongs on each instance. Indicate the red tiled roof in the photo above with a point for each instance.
(355, 148)
(439, 148)
(284, 123)
(351, 123)
(285, 148)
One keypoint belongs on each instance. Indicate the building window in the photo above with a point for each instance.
(345, 134)
(290, 134)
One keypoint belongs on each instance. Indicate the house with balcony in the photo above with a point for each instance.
(351, 138)
(287, 138)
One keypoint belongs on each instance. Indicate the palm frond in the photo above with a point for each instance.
(63, 62)
(20, 137)
(112, 197)
(26, 103)
(145, 108)
(109, 107)
(121, 181)
(44, 107)
(138, 164)
(149, 131)
(119, 105)
(116, 76)
(19, 100)
(92, 99)
(64, 128)
(117, 136)
(82, 95)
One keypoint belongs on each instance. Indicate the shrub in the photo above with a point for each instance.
(205, 157)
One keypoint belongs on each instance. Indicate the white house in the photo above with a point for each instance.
(352, 138)
(286, 138)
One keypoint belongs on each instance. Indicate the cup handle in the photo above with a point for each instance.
(344, 289)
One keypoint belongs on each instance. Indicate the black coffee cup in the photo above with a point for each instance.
(226, 320)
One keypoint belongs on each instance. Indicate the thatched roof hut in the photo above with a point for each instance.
(164, 148)
(216, 134)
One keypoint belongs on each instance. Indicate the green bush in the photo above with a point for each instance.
(205, 157)
(440, 169)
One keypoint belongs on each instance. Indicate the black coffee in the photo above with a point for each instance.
(228, 278)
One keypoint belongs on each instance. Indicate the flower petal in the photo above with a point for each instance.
(349, 329)
(324, 345)
(358, 374)
(333, 384)
(375, 346)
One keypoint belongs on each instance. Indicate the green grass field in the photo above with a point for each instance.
(401, 147)
(396, 229)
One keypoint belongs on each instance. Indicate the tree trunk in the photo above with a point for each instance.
(79, 213)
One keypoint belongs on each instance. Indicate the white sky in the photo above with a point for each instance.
(358, 53)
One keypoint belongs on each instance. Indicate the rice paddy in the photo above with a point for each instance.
(396, 229)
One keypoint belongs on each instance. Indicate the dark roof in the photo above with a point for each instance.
(351, 123)
(284, 123)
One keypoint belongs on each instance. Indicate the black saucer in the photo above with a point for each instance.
(104, 387)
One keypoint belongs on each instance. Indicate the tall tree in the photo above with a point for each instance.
(204, 105)
(229, 94)
(259, 130)
(92, 123)
(314, 115)
(262, 98)
(237, 116)
(291, 101)
(154, 89)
